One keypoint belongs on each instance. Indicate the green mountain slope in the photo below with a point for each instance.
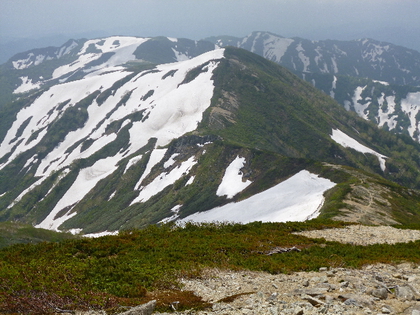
(259, 111)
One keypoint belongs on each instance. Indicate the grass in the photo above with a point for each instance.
(140, 265)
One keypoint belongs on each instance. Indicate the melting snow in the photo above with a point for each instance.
(85, 181)
(296, 199)
(275, 47)
(411, 106)
(170, 112)
(123, 53)
(173, 217)
(385, 116)
(155, 157)
(164, 180)
(100, 234)
(232, 183)
(171, 160)
(346, 141)
(360, 108)
(305, 60)
(27, 85)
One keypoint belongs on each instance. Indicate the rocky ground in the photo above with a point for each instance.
(374, 289)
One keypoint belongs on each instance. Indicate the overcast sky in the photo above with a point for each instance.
(396, 21)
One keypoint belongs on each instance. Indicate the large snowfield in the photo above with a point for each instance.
(298, 198)
(172, 108)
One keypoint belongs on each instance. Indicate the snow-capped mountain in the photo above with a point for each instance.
(365, 58)
(123, 132)
(392, 107)
(379, 81)
(76, 58)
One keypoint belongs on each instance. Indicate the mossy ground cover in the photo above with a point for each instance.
(140, 265)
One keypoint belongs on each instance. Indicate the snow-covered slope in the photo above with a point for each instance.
(168, 108)
(110, 138)
(298, 198)
(392, 107)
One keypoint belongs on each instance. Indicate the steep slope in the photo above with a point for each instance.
(122, 147)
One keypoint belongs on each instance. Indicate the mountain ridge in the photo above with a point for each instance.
(114, 147)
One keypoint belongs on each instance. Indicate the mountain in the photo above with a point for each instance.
(364, 58)
(123, 132)
(76, 58)
(379, 81)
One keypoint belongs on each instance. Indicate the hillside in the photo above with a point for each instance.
(111, 142)
(379, 81)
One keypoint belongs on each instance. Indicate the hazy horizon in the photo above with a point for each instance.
(51, 22)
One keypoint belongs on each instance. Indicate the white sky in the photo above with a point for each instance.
(387, 20)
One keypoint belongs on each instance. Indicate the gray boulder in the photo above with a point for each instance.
(405, 293)
(144, 309)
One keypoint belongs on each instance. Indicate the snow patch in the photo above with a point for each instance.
(132, 162)
(180, 56)
(296, 199)
(85, 181)
(100, 234)
(275, 47)
(164, 180)
(173, 217)
(411, 106)
(27, 85)
(155, 157)
(381, 82)
(358, 107)
(305, 60)
(346, 141)
(190, 181)
(232, 183)
(23, 63)
(122, 53)
(333, 87)
(385, 116)
(170, 161)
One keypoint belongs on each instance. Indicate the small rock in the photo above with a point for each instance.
(144, 309)
(305, 283)
(312, 300)
(315, 291)
(273, 296)
(351, 302)
(322, 269)
(386, 310)
(397, 275)
(380, 293)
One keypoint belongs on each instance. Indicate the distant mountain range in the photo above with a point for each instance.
(108, 134)
(379, 81)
